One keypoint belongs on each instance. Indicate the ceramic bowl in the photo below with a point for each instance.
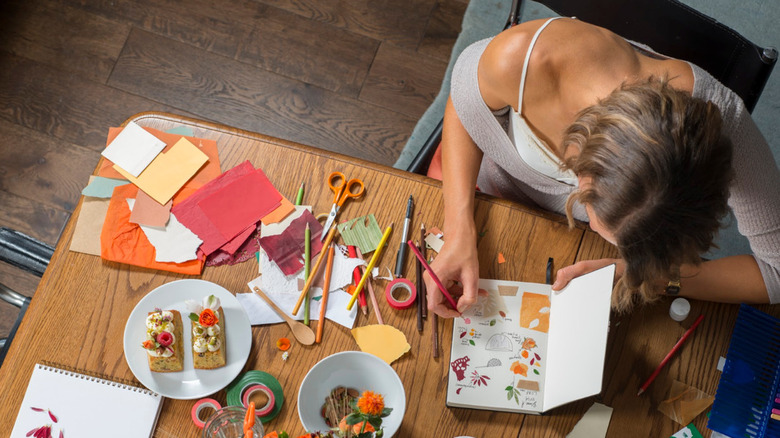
(352, 369)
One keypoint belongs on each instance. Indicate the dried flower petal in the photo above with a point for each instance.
(32, 431)
(283, 344)
(62, 433)
(53, 417)
(37, 409)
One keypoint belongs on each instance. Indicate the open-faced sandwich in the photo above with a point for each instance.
(208, 333)
(164, 342)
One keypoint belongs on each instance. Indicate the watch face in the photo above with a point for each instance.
(672, 289)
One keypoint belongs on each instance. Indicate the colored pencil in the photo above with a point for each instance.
(674, 349)
(371, 293)
(433, 276)
(306, 271)
(419, 269)
(435, 335)
(421, 291)
(367, 273)
(315, 269)
(352, 251)
(299, 197)
(325, 287)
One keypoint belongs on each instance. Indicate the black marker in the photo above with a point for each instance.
(399, 261)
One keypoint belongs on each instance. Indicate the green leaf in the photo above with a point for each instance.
(536, 372)
(193, 317)
(509, 395)
(471, 342)
(354, 418)
(379, 433)
(386, 412)
(317, 298)
(492, 322)
(508, 388)
(283, 434)
(375, 421)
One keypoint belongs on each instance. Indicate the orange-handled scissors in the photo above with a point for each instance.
(343, 190)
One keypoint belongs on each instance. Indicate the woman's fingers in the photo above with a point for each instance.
(567, 274)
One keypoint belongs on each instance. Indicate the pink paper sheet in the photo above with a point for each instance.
(189, 213)
(245, 251)
(287, 249)
(149, 212)
(243, 202)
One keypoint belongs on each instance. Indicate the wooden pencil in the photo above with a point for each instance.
(306, 271)
(419, 268)
(422, 290)
(371, 293)
(314, 270)
(325, 287)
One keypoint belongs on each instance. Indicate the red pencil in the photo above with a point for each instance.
(433, 276)
(669, 355)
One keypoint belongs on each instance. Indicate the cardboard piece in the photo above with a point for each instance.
(594, 423)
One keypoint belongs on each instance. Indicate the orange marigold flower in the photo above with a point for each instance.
(371, 403)
(283, 344)
(519, 368)
(208, 318)
(528, 344)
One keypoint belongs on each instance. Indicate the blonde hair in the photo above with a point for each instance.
(660, 170)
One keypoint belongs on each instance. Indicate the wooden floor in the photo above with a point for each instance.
(351, 76)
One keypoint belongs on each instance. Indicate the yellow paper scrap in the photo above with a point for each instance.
(169, 171)
(383, 341)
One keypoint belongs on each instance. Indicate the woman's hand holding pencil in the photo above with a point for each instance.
(458, 272)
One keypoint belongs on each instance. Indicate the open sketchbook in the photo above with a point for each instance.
(79, 405)
(522, 348)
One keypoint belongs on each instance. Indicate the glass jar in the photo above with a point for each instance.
(228, 422)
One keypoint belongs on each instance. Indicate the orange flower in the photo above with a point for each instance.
(343, 426)
(524, 354)
(519, 368)
(283, 344)
(371, 403)
(528, 344)
(149, 345)
(208, 318)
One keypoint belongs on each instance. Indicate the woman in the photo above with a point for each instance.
(573, 118)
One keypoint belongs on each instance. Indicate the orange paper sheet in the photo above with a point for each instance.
(125, 242)
(209, 147)
(169, 171)
(535, 312)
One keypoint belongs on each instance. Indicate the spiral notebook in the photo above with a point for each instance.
(81, 405)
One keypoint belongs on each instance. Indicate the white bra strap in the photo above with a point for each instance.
(525, 64)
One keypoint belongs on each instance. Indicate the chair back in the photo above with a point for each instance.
(677, 30)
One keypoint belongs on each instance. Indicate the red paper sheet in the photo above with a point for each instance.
(125, 242)
(191, 216)
(240, 204)
(287, 249)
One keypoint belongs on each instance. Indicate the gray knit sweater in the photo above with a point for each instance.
(755, 192)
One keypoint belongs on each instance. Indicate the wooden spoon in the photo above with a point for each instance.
(303, 333)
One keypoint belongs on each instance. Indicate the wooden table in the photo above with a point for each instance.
(103, 294)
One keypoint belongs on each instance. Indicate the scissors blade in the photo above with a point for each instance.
(329, 222)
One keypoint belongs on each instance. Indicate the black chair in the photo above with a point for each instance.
(29, 254)
(668, 27)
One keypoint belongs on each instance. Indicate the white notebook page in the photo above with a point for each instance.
(85, 406)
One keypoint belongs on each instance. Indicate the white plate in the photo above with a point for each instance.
(352, 369)
(189, 383)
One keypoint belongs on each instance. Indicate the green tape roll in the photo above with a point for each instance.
(236, 388)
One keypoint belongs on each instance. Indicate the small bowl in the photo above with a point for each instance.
(351, 369)
(228, 422)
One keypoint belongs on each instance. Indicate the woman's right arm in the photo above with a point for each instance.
(498, 77)
(457, 261)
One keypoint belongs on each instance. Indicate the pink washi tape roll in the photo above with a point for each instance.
(269, 406)
(200, 405)
(391, 293)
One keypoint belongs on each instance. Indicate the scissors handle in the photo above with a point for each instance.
(353, 189)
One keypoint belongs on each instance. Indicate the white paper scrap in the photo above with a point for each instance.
(175, 243)
(261, 313)
(593, 424)
(133, 149)
(434, 242)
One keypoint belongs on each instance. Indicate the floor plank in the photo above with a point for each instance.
(42, 168)
(403, 81)
(401, 22)
(63, 105)
(62, 37)
(443, 29)
(265, 37)
(175, 74)
(32, 218)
